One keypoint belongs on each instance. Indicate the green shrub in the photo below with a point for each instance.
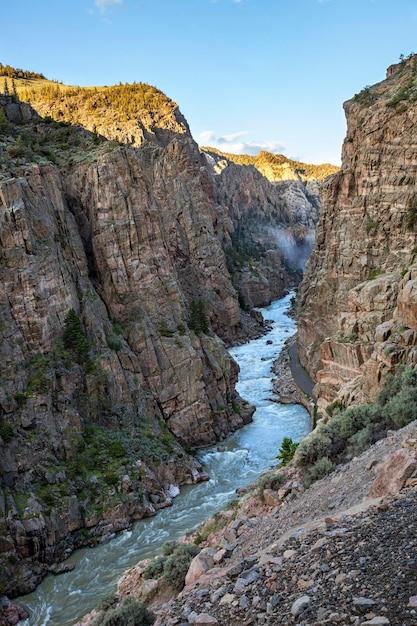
(314, 447)
(407, 91)
(20, 398)
(365, 97)
(19, 149)
(130, 612)
(348, 422)
(320, 469)
(49, 495)
(6, 432)
(108, 602)
(117, 328)
(177, 564)
(116, 449)
(337, 405)
(100, 451)
(38, 382)
(360, 441)
(211, 526)
(351, 338)
(370, 225)
(271, 480)
(198, 319)
(111, 478)
(114, 342)
(155, 568)
(164, 330)
(402, 408)
(353, 430)
(374, 273)
(287, 451)
(169, 548)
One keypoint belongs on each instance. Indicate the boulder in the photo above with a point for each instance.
(393, 473)
(199, 566)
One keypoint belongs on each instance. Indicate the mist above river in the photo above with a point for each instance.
(294, 248)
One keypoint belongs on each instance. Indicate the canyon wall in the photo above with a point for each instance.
(268, 228)
(113, 285)
(356, 303)
(116, 300)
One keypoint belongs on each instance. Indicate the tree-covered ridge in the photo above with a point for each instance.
(15, 72)
(277, 167)
(43, 140)
(129, 99)
(122, 112)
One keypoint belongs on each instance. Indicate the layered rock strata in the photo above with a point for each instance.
(115, 301)
(356, 302)
(92, 430)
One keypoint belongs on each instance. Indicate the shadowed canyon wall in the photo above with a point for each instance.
(123, 259)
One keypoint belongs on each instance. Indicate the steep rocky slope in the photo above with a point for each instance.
(269, 231)
(115, 298)
(330, 538)
(111, 276)
(339, 552)
(251, 215)
(357, 300)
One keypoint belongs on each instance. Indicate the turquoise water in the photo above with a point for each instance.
(237, 462)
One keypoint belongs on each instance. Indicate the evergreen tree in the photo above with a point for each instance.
(6, 87)
(198, 318)
(4, 122)
(287, 450)
(14, 91)
(74, 337)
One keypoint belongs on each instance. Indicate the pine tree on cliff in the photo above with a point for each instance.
(6, 87)
(198, 318)
(14, 90)
(74, 337)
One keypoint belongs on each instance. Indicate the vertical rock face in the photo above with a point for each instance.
(126, 241)
(146, 218)
(356, 299)
(115, 301)
(272, 224)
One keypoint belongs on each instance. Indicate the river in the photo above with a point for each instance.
(237, 462)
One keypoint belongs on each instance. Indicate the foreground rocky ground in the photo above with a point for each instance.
(348, 569)
(341, 552)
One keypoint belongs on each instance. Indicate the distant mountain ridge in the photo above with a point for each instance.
(277, 167)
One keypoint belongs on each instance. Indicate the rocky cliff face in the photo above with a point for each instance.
(115, 298)
(357, 299)
(267, 229)
(112, 277)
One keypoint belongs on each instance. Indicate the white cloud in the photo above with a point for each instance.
(237, 143)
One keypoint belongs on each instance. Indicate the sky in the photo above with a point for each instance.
(247, 74)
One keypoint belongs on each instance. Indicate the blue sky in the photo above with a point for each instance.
(246, 73)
